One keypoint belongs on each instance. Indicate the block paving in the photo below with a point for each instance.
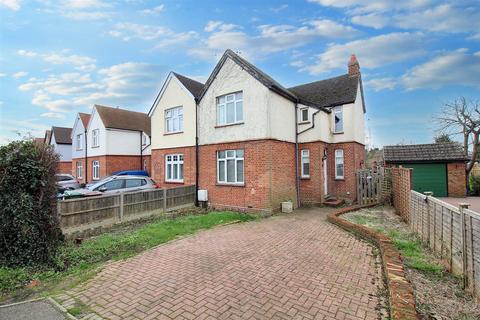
(295, 266)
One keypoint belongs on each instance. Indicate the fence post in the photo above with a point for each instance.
(428, 194)
(462, 207)
(121, 206)
(164, 200)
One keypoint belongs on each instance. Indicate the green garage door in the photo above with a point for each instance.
(429, 177)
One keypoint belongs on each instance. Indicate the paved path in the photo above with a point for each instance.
(294, 266)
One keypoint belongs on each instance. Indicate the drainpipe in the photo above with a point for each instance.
(86, 157)
(297, 178)
(313, 123)
(141, 150)
(196, 153)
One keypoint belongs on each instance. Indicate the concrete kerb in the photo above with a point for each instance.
(50, 300)
(401, 296)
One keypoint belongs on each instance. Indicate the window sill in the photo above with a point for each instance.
(95, 146)
(229, 125)
(341, 132)
(304, 122)
(241, 185)
(79, 149)
(170, 133)
(174, 182)
(305, 178)
(339, 179)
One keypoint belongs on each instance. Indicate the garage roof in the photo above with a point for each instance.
(435, 152)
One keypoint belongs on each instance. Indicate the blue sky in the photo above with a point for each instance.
(61, 57)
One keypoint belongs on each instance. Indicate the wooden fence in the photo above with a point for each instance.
(369, 185)
(78, 215)
(453, 233)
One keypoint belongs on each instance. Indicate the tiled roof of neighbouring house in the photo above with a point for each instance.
(62, 135)
(193, 86)
(330, 92)
(117, 118)
(424, 152)
(85, 117)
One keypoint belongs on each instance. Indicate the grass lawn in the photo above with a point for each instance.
(76, 263)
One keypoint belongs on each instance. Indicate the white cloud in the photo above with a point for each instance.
(79, 9)
(219, 25)
(372, 52)
(128, 31)
(26, 53)
(53, 115)
(19, 74)
(372, 20)
(155, 10)
(453, 68)
(86, 15)
(279, 8)
(82, 63)
(11, 4)
(2, 75)
(378, 84)
(85, 4)
(44, 100)
(361, 6)
(20, 128)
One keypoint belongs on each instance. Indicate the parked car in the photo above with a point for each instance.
(66, 182)
(131, 173)
(114, 184)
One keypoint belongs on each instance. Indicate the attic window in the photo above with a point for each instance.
(304, 114)
(338, 118)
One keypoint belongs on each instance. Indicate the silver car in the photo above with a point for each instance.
(67, 181)
(114, 184)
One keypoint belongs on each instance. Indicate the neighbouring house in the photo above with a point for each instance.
(80, 163)
(252, 143)
(59, 138)
(173, 117)
(114, 140)
(437, 167)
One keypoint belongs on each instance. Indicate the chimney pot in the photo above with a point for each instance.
(353, 66)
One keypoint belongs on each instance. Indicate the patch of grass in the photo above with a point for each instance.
(75, 311)
(80, 261)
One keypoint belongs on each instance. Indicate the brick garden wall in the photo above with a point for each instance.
(158, 166)
(456, 179)
(401, 186)
(269, 175)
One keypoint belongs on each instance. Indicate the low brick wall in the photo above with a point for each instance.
(401, 297)
(401, 186)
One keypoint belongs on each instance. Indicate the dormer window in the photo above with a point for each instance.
(230, 108)
(338, 119)
(304, 115)
(174, 120)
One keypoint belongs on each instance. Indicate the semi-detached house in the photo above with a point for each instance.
(59, 138)
(252, 143)
(109, 140)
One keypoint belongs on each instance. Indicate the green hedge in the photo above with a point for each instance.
(29, 227)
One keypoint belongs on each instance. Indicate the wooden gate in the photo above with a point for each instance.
(369, 185)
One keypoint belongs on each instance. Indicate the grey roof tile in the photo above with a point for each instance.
(424, 152)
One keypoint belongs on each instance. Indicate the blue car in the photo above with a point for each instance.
(131, 173)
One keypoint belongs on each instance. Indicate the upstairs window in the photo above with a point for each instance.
(174, 120)
(305, 163)
(339, 166)
(230, 167)
(79, 141)
(144, 140)
(230, 108)
(96, 138)
(338, 117)
(304, 115)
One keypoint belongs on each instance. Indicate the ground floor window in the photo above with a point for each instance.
(145, 167)
(230, 165)
(339, 167)
(79, 169)
(96, 170)
(305, 163)
(174, 167)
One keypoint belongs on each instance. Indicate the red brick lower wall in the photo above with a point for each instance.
(158, 165)
(457, 180)
(65, 167)
(401, 185)
(312, 188)
(269, 174)
(108, 165)
(353, 159)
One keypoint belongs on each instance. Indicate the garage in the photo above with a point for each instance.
(437, 167)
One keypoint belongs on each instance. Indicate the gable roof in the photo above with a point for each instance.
(320, 94)
(255, 72)
(85, 117)
(117, 118)
(435, 152)
(193, 86)
(62, 135)
(329, 92)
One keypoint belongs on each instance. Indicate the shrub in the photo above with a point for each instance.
(474, 184)
(29, 226)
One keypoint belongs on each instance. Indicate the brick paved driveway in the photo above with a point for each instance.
(286, 267)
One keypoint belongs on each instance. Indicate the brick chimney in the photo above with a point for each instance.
(353, 66)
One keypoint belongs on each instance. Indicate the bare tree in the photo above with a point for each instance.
(462, 117)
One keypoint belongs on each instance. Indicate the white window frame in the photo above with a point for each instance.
(174, 120)
(173, 161)
(145, 165)
(231, 155)
(79, 166)
(338, 110)
(96, 170)
(301, 114)
(95, 138)
(144, 139)
(339, 160)
(79, 141)
(305, 159)
(221, 101)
